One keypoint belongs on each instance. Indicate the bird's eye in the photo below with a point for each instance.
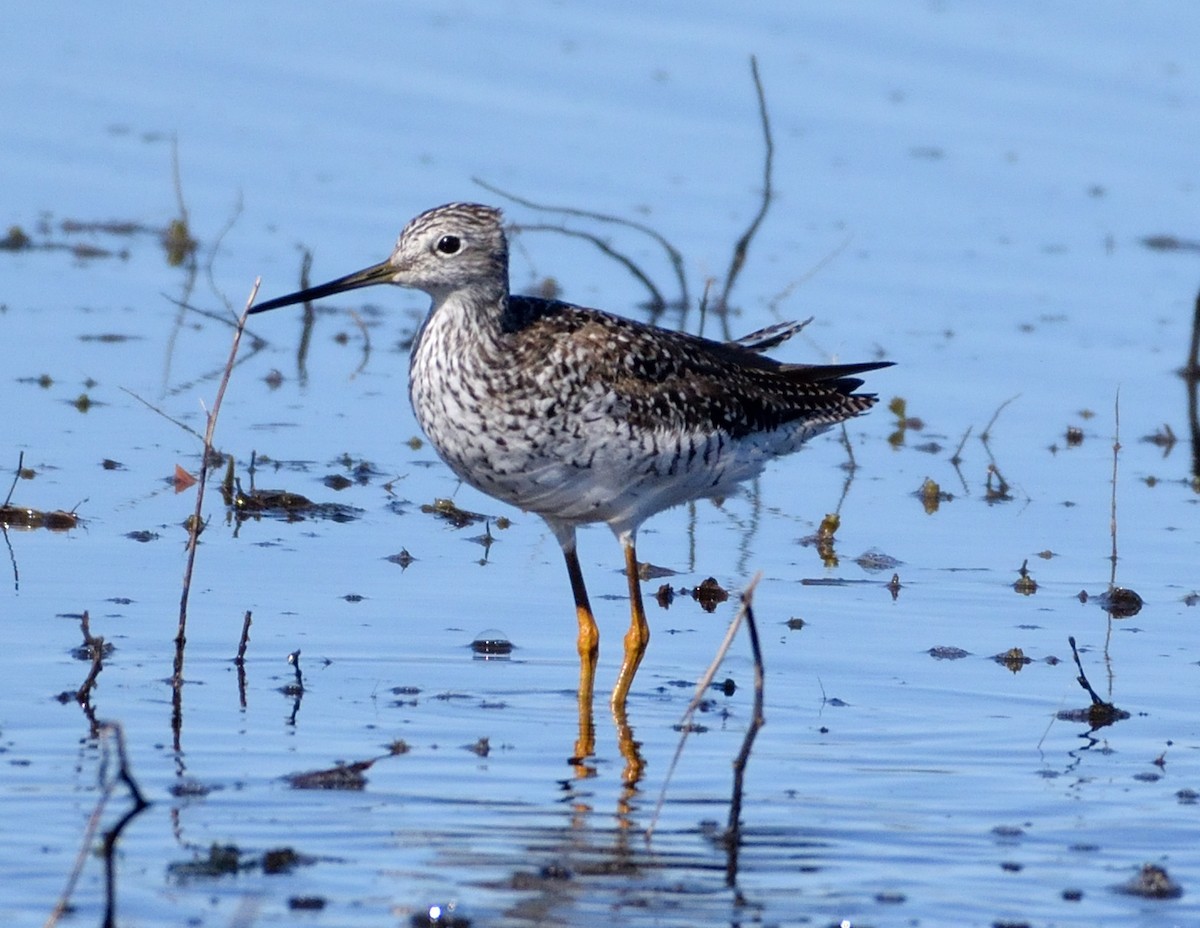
(449, 244)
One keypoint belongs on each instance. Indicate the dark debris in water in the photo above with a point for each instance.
(341, 776)
(1151, 882)
(191, 789)
(222, 859)
(459, 518)
(437, 916)
(290, 507)
(1014, 659)
(480, 748)
(492, 643)
(1119, 602)
(1097, 715)
(932, 496)
(710, 594)
(110, 338)
(874, 561)
(1170, 243)
(228, 859)
(403, 558)
(362, 472)
(1025, 584)
(945, 653)
(997, 489)
(525, 880)
(1163, 438)
(904, 422)
(174, 238)
(1100, 713)
(306, 903)
(56, 520)
(648, 571)
(83, 402)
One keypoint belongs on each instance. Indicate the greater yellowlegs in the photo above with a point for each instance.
(581, 416)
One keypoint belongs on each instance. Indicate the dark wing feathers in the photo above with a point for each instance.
(678, 380)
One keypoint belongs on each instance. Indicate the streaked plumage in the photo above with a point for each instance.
(583, 416)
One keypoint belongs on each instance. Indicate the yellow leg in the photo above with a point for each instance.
(589, 652)
(589, 634)
(638, 635)
(636, 640)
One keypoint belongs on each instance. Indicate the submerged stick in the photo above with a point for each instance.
(703, 684)
(733, 833)
(112, 735)
(1112, 525)
(240, 660)
(1191, 376)
(16, 477)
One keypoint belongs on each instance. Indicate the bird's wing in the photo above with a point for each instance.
(659, 378)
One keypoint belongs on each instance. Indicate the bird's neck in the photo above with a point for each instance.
(471, 319)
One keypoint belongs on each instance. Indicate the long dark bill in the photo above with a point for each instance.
(376, 274)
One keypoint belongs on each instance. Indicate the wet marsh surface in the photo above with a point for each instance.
(1010, 219)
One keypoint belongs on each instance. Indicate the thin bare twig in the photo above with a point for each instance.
(12, 558)
(956, 458)
(986, 435)
(1191, 371)
(240, 660)
(673, 253)
(169, 418)
(308, 322)
(791, 287)
(656, 297)
(212, 255)
(16, 477)
(365, 331)
(244, 641)
(703, 308)
(1191, 376)
(197, 519)
(178, 228)
(1112, 525)
(1082, 679)
(177, 182)
(84, 693)
(743, 244)
(851, 464)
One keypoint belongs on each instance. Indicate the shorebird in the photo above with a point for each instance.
(582, 416)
